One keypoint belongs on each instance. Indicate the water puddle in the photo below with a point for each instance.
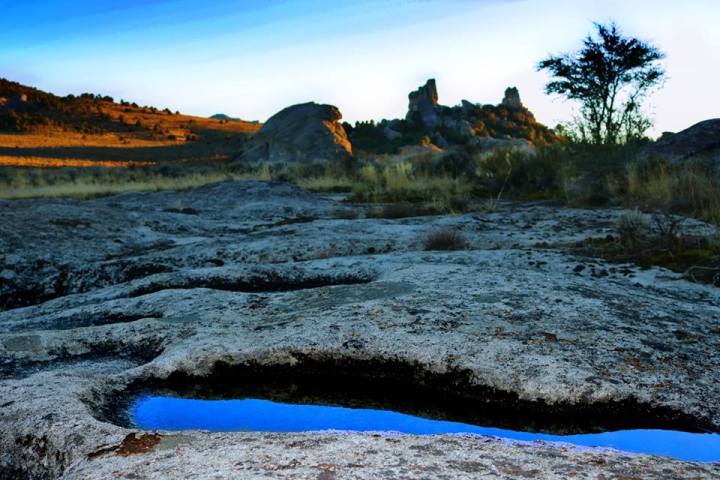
(153, 412)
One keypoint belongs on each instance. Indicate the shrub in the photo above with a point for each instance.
(496, 168)
(370, 137)
(445, 238)
(632, 227)
(454, 162)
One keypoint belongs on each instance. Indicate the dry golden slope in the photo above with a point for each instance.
(114, 135)
(129, 148)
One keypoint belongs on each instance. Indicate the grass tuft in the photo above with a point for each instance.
(445, 238)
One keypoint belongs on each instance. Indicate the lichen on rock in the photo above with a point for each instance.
(266, 274)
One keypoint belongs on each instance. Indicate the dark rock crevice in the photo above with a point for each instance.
(263, 282)
(398, 385)
(39, 283)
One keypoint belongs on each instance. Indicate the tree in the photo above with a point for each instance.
(610, 76)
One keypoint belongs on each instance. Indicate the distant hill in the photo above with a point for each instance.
(27, 109)
(42, 129)
(222, 116)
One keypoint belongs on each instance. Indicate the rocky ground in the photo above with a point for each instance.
(100, 298)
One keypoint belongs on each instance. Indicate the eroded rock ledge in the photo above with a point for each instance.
(265, 276)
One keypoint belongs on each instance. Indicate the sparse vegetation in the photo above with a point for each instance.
(632, 227)
(453, 180)
(445, 238)
(87, 147)
(691, 188)
(659, 240)
(17, 183)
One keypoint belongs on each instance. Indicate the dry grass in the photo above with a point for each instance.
(326, 183)
(55, 162)
(91, 186)
(445, 238)
(44, 162)
(387, 179)
(632, 227)
(401, 183)
(417, 181)
(56, 138)
(131, 136)
(689, 188)
(52, 162)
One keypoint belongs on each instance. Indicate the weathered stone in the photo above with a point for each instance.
(701, 142)
(301, 133)
(447, 126)
(423, 102)
(392, 134)
(268, 274)
(512, 99)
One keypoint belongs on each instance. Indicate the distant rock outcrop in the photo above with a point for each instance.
(701, 142)
(222, 116)
(300, 133)
(424, 101)
(512, 99)
(472, 123)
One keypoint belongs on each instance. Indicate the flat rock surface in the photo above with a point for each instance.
(100, 295)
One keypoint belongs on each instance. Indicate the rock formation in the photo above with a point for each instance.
(301, 133)
(512, 99)
(467, 122)
(701, 142)
(424, 101)
(131, 291)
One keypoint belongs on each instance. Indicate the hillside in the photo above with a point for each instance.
(41, 129)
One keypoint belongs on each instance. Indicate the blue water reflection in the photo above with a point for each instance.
(169, 413)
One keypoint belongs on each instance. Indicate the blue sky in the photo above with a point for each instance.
(251, 58)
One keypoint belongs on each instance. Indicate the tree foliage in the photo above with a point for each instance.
(610, 76)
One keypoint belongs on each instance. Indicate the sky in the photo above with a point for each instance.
(251, 58)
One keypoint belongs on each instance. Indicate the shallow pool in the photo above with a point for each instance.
(171, 413)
